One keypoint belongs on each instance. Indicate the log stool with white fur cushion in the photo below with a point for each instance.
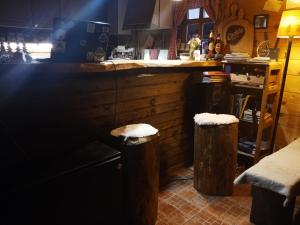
(140, 158)
(215, 153)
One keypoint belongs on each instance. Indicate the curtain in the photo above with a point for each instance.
(212, 7)
(179, 13)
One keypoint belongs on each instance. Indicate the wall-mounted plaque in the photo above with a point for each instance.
(234, 34)
(238, 34)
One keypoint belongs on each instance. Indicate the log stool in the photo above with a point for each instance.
(140, 158)
(215, 153)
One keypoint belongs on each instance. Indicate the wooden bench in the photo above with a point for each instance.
(275, 184)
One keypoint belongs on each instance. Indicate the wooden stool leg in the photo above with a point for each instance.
(215, 155)
(140, 158)
(141, 183)
(267, 208)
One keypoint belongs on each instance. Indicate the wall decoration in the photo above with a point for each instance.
(261, 21)
(232, 15)
(263, 49)
(234, 34)
(238, 33)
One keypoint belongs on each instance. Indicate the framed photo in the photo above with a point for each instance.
(261, 21)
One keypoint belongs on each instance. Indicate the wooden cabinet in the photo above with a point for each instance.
(255, 94)
(121, 6)
(162, 16)
(43, 12)
(85, 9)
(40, 13)
(166, 11)
(15, 13)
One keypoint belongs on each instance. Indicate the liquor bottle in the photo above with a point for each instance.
(218, 48)
(211, 46)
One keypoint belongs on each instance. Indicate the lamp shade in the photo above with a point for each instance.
(292, 4)
(289, 26)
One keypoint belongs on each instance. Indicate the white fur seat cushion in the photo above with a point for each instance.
(279, 172)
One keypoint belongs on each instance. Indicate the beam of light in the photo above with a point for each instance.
(13, 79)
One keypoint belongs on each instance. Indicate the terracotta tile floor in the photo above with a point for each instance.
(179, 203)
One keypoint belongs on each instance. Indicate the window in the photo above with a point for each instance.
(193, 13)
(197, 22)
(205, 15)
(36, 50)
(197, 13)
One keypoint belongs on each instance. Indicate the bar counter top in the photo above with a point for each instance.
(111, 65)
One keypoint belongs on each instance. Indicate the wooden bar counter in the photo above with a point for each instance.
(52, 109)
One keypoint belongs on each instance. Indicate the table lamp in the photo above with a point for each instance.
(289, 27)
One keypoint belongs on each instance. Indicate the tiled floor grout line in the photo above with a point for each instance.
(186, 206)
(192, 218)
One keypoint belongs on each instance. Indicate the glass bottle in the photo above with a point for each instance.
(218, 48)
(211, 46)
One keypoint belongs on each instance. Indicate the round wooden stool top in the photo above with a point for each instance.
(135, 134)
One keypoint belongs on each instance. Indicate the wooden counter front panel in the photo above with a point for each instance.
(162, 101)
(52, 114)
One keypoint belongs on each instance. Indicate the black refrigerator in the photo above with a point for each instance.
(81, 188)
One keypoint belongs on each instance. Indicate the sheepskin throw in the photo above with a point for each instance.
(279, 172)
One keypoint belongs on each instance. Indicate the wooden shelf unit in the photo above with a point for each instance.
(266, 95)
